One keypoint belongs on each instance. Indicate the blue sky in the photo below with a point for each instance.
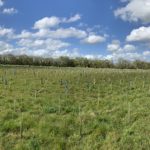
(109, 29)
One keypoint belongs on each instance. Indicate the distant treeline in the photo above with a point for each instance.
(72, 62)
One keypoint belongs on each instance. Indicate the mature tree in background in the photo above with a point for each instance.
(70, 62)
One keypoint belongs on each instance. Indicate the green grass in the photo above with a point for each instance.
(74, 109)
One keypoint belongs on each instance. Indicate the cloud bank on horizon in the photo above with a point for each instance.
(117, 30)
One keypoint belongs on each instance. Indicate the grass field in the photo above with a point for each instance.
(74, 109)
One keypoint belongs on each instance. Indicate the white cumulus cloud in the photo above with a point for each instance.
(48, 44)
(93, 39)
(115, 47)
(6, 32)
(146, 53)
(127, 56)
(5, 48)
(62, 33)
(10, 11)
(140, 34)
(48, 22)
(129, 48)
(135, 10)
(74, 18)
